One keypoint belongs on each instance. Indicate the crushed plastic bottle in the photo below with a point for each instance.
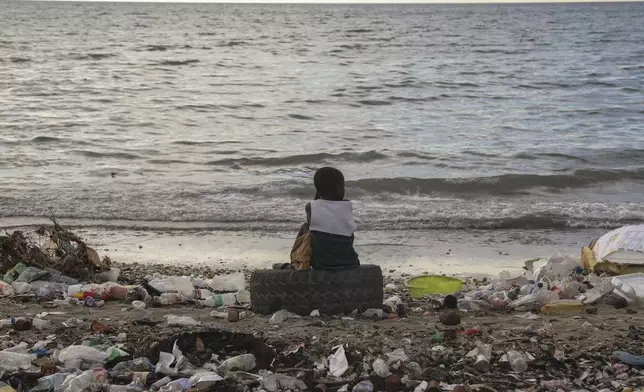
(483, 357)
(84, 380)
(41, 324)
(517, 361)
(244, 362)
(218, 300)
(279, 317)
(204, 381)
(281, 382)
(52, 382)
(363, 386)
(381, 368)
(374, 313)
(422, 387)
(180, 385)
(179, 321)
(171, 299)
(231, 282)
(14, 273)
(160, 383)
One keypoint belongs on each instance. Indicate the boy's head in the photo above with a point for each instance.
(329, 184)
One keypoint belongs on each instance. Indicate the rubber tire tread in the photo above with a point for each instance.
(330, 292)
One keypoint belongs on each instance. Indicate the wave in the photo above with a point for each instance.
(47, 139)
(374, 102)
(539, 221)
(500, 185)
(178, 62)
(300, 117)
(303, 159)
(116, 155)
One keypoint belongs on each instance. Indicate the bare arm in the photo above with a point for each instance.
(307, 208)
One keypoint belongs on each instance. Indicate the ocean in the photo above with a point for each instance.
(214, 117)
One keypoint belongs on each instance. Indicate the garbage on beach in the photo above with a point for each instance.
(432, 284)
(617, 252)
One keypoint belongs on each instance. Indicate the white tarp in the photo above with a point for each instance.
(625, 244)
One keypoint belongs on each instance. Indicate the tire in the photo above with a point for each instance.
(330, 292)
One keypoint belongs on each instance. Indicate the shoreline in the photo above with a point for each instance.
(452, 252)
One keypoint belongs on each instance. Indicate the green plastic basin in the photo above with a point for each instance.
(419, 286)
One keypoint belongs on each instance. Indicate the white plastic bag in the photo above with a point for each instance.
(40, 324)
(381, 368)
(397, 355)
(179, 284)
(233, 282)
(5, 289)
(338, 363)
(21, 287)
(73, 356)
(14, 362)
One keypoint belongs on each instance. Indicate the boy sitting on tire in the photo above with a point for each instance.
(326, 240)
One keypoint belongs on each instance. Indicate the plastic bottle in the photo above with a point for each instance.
(243, 362)
(51, 382)
(5, 288)
(544, 296)
(562, 306)
(203, 294)
(217, 300)
(282, 382)
(422, 387)
(483, 357)
(14, 273)
(517, 361)
(21, 287)
(84, 380)
(171, 299)
(160, 383)
(124, 388)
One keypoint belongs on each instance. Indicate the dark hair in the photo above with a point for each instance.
(329, 183)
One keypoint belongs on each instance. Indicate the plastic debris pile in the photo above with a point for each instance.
(62, 251)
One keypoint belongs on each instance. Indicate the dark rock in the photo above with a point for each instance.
(22, 325)
(450, 318)
(592, 310)
(450, 302)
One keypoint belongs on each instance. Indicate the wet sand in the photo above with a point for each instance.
(454, 252)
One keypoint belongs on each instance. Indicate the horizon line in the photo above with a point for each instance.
(348, 2)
